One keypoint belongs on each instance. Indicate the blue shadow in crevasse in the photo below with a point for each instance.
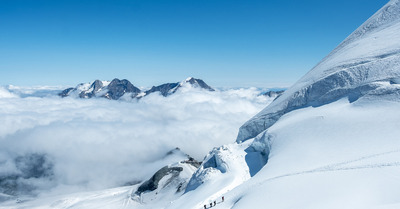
(255, 160)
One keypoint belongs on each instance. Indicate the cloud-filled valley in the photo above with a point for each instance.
(85, 144)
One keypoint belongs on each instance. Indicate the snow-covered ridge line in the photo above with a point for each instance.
(124, 89)
(382, 18)
(361, 65)
(116, 89)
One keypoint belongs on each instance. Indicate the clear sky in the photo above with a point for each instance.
(227, 43)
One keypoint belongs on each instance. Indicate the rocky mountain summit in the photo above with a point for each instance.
(117, 88)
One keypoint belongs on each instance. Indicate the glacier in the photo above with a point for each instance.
(329, 141)
(361, 65)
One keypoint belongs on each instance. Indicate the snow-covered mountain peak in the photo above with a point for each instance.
(365, 64)
(384, 17)
(188, 79)
(375, 37)
(117, 88)
(196, 83)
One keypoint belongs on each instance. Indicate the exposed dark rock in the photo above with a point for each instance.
(201, 83)
(171, 88)
(195, 82)
(170, 176)
(164, 89)
(152, 183)
(177, 149)
(193, 162)
(130, 183)
(274, 93)
(65, 92)
(190, 160)
(96, 86)
(117, 88)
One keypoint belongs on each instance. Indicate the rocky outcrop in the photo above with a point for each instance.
(117, 88)
(164, 89)
(274, 94)
(195, 83)
(171, 179)
(65, 92)
(153, 183)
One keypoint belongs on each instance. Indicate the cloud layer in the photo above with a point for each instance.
(98, 143)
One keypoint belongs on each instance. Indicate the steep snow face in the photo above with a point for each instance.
(361, 65)
(223, 169)
(339, 155)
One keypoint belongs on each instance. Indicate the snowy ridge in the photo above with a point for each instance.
(363, 64)
(223, 169)
(319, 158)
(330, 141)
(384, 17)
(171, 183)
(124, 89)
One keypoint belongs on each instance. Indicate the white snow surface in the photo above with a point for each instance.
(340, 155)
(330, 141)
(318, 159)
(209, 183)
(371, 54)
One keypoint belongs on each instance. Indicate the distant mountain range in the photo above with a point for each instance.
(115, 89)
(118, 88)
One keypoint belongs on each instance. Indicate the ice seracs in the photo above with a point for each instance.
(223, 169)
(329, 141)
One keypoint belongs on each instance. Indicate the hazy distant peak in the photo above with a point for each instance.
(117, 88)
(194, 82)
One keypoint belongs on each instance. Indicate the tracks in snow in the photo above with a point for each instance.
(342, 166)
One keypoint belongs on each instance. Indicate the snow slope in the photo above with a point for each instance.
(358, 66)
(322, 159)
(332, 138)
(330, 141)
(318, 159)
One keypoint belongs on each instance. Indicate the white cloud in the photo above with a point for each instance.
(98, 143)
(4, 93)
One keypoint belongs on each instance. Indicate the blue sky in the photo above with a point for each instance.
(227, 43)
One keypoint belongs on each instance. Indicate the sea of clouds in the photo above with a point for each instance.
(56, 145)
